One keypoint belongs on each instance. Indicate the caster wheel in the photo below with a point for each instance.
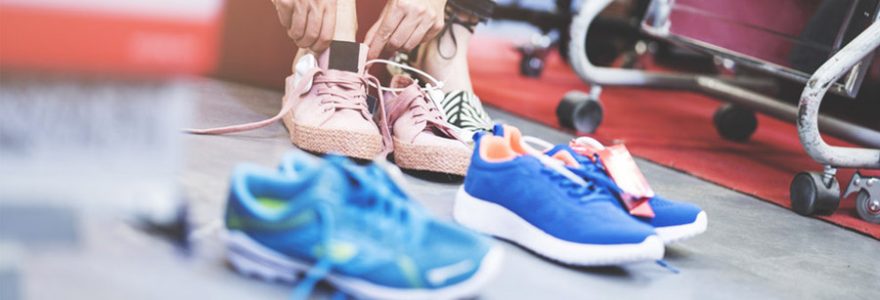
(735, 123)
(579, 111)
(868, 207)
(531, 65)
(811, 196)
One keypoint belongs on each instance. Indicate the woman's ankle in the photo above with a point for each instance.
(445, 58)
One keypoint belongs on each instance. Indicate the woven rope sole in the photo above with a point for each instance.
(431, 158)
(351, 144)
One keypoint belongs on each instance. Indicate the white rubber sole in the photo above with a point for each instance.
(672, 234)
(252, 259)
(493, 219)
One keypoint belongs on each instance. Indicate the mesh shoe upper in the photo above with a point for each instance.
(337, 211)
(666, 212)
(539, 195)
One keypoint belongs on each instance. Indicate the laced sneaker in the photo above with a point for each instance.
(349, 225)
(422, 139)
(673, 221)
(539, 204)
(325, 105)
(462, 109)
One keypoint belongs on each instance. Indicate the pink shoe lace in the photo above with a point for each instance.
(340, 90)
(424, 110)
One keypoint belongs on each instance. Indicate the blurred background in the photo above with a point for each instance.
(93, 94)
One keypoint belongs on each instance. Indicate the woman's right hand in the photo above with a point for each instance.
(310, 23)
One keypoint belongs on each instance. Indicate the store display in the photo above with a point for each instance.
(422, 139)
(537, 203)
(353, 226)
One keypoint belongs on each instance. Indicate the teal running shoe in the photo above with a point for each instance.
(352, 226)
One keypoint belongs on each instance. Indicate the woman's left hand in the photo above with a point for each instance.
(405, 24)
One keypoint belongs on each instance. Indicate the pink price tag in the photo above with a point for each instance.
(626, 174)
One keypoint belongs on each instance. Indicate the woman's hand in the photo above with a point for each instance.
(405, 24)
(310, 23)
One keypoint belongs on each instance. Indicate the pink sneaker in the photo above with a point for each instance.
(333, 115)
(422, 139)
(325, 105)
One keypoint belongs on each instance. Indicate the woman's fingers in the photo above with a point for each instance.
(405, 24)
(434, 30)
(298, 20)
(404, 32)
(382, 31)
(312, 29)
(310, 23)
(284, 8)
(328, 28)
(417, 37)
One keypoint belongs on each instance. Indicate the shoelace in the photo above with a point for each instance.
(345, 91)
(597, 176)
(590, 182)
(425, 113)
(586, 191)
(424, 104)
(376, 201)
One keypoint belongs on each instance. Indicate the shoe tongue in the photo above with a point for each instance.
(344, 56)
(559, 148)
(409, 86)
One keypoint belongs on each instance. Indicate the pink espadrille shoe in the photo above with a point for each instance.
(325, 105)
(422, 139)
(333, 116)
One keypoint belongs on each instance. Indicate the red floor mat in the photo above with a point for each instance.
(672, 128)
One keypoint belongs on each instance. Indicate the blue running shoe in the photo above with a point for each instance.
(673, 221)
(333, 220)
(540, 205)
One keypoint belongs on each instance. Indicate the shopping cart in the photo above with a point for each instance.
(827, 45)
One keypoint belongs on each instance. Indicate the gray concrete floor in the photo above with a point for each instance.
(752, 249)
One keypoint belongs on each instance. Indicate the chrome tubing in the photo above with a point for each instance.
(594, 75)
(811, 98)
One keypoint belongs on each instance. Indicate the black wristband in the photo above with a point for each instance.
(481, 9)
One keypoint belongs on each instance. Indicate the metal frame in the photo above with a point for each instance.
(733, 90)
(817, 86)
(657, 24)
(598, 76)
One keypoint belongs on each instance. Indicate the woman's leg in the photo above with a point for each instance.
(446, 56)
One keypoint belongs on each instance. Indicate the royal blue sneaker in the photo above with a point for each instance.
(540, 205)
(333, 220)
(673, 221)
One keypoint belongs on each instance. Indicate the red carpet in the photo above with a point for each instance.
(672, 128)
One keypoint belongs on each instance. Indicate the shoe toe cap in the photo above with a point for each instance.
(670, 213)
